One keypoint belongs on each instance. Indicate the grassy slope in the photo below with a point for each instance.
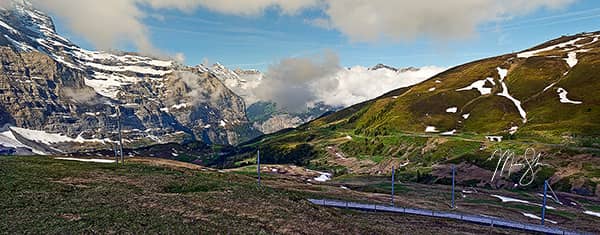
(42, 195)
(389, 130)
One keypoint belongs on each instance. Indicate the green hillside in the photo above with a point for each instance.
(371, 137)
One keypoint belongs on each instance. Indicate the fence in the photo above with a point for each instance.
(440, 214)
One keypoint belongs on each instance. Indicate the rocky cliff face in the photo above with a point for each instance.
(51, 85)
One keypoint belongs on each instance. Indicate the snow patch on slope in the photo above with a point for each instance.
(537, 217)
(562, 95)
(528, 54)
(479, 85)
(502, 72)
(108, 84)
(85, 160)
(597, 214)
(8, 139)
(505, 93)
(323, 177)
(431, 129)
(51, 138)
(452, 132)
(451, 110)
(129, 68)
(550, 86)
(510, 199)
(571, 59)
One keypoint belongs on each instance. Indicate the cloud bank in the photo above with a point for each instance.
(298, 83)
(110, 23)
(291, 83)
(372, 20)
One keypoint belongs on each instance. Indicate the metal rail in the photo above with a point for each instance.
(450, 215)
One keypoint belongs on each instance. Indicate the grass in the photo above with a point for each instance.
(43, 195)
(592, 207)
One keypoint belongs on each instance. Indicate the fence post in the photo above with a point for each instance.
(453, 174)
(115, 146)
(258, 167)
(393, 170)
(544, 202)
(120, 135)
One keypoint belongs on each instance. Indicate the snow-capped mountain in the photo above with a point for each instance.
(241, 82)
(53, 86)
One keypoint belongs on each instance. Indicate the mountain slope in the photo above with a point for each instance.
(52, 85)
(544, 98)
(520, 91)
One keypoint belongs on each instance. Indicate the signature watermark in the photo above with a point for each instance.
(509, 162)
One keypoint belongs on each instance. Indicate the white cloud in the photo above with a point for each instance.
(110, 23)
(359, 84)
(5, 3)
(235, 7)
(291, 82)
(371, 20)
(297, 83)
(179, 57)
(113, 23)
(107, 24)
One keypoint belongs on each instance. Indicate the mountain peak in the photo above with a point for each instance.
(400, 70)
(383, 66)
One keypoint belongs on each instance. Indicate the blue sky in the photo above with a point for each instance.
(260, 40)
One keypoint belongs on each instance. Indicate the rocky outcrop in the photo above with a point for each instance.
(48, 83)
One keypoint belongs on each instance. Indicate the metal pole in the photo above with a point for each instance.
(114, 145)
(258, 165)
(120, 135)
(544, 203)
(393, 185)
(453, 174)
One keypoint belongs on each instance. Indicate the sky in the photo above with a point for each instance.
(257, 34)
